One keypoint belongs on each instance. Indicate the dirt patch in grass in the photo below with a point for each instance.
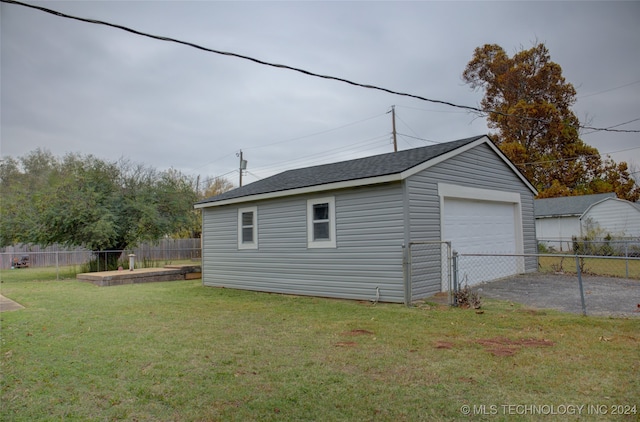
(534, 312)
(502, 351)
(532, 342)
(357, 333)
(346, 344)
(443, 345)
(502, 346)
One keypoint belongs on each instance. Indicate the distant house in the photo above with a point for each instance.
(342, 230)
(559, 219)
(612, 216)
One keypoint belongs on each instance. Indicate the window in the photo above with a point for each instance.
(248, 228)
(321, 223)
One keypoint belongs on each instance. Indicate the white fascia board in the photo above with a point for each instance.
(310, 189)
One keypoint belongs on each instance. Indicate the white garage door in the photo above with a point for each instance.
(481, 227)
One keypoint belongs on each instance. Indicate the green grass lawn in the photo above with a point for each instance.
(178, 351)
(610, 266)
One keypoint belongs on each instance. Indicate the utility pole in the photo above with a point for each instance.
(393, 123)
(243, 166)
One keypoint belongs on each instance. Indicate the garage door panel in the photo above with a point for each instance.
(481, 227)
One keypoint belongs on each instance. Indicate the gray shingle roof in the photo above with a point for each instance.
(568, 205)
(361, 168)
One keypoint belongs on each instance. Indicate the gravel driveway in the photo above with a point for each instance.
(603, 295)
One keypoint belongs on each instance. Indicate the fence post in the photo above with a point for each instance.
(626, 258)
(449, 261)
(584, 308)
(57, 267)
(455, 278)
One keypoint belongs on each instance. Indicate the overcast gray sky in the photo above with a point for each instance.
(70, 86)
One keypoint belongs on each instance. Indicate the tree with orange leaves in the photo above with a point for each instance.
(528, 102)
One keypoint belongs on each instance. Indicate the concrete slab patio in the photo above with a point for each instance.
(142, 275)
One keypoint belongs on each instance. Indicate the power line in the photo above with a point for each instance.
(295, 69)
(323, 156)
(313, 159)
(406, 124)
(419, 139)
(402, 138)
(599, 155)
(411, 129)
(317, 133)
(294, 139)
(430, 111)
(215, 161)
(619, 124)
(224, 174)
(253, 174)
(237, 55)
(608, 90)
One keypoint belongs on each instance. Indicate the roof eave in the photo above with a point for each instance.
(396, 177)
(308, 189)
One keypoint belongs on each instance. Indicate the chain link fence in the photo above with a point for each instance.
(595, 284)
(427, 269)
(596, 278)
(478, 268)
(84, 260)
(627, 247)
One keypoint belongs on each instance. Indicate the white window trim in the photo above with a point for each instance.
(254, 244)
(331, 243)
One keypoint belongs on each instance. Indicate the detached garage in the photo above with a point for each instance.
(345, 229)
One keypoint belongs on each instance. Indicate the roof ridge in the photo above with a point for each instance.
(342, 171)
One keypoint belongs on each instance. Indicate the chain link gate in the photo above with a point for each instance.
(428, 270)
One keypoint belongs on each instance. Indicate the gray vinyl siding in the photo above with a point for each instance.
(372, 225)
(477, 168)
(369, 233)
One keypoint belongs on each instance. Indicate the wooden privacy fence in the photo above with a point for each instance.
(168, 249)
(57, 256)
